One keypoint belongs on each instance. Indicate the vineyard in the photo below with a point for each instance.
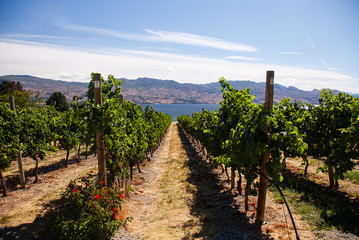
(202, 180)
(255, 141)
(129, 134)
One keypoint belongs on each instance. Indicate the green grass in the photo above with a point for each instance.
(323, 208)
(298, 205)
(352, 176)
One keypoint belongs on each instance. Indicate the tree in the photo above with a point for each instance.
(22, 97)
(58, 100)
(7, 87)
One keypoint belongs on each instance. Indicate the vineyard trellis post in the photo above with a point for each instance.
(99, 134)
(18, 155)
(263, 182)
(233, 177)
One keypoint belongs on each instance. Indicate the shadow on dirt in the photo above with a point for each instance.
(23, 231)
(13, 181)
(336, 207)
(220, 217)
(38, 229)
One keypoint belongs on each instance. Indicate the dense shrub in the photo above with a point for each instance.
(86, 212)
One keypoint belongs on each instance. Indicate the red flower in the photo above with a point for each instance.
(76, 190)
(115, 216)
(97, 196)
(102, 182)
(111, 201)
(121, 196)
(115, 210)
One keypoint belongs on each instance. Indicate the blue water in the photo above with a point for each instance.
(176, 110)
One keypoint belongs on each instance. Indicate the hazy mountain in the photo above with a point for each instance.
(148, 90)
(47, 86)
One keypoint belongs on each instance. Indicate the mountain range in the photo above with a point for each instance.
(155, 91)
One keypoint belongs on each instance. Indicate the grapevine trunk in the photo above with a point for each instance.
(3, 184)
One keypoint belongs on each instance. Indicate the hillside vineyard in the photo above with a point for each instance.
(130, 134)
(241, 132)
(253, 140)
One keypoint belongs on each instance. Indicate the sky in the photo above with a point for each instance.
(309, 44)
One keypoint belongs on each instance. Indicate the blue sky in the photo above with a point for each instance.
(309, 44)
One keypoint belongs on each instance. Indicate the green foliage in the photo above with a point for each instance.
(68, 131)
(36, 135)
(352, 176)
(335, 133)
(241, 132)
(110, 88)
(86, 212)
(22, 97)
(128, 131)
(9, 133)
(58, 100)
(129, 134)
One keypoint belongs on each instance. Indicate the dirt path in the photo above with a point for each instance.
(321, 178)
(159, 203)
(19, 209)
(178, 196)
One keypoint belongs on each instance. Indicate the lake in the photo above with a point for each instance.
(176, 110)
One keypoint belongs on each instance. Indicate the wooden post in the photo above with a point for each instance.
(99, 134)
(233, 177)
(263, 182)
(19, 158)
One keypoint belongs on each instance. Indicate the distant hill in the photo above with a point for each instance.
(47, 86)
(152, 91)
(147, 90)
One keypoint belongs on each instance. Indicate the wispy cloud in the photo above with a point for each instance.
(312, 44)
(106, 32)
(32, 36)
(328, 66)
(76, 65)
(25, 42)
(242, 58)
(292, 53)
(167, 36)
(334, 69)
(197, 40)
